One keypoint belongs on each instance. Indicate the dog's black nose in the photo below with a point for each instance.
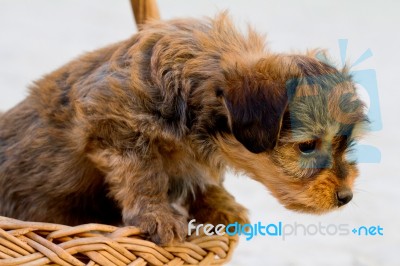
(344, 196)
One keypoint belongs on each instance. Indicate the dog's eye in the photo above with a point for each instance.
(308, 147)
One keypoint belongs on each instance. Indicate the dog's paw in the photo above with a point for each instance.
(232, 214)
(228, 213)
(162, 227)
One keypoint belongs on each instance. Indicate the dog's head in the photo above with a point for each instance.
(293, 120)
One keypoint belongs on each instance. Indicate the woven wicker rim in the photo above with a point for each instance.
(33, 243)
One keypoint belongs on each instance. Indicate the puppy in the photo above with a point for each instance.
(135, 132)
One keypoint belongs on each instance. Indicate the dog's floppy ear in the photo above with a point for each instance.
(256, 104)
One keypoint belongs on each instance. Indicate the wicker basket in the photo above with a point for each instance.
(32, 243)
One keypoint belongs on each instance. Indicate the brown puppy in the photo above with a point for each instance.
(129, 132)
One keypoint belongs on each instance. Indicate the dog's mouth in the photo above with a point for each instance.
(311, 209)
(320, 205)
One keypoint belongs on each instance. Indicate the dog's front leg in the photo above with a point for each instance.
(140, 187)
(216, 206)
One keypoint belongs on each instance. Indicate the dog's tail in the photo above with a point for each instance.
(145, 10)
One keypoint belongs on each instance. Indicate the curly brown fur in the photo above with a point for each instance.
(126, 133)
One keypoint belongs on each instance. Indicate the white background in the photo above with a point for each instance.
(38, 36)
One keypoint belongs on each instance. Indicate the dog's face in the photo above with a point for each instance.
(296, 119)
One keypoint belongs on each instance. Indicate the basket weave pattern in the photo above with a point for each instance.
(32, 243)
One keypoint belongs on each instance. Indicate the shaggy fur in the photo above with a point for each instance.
(135, 131)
